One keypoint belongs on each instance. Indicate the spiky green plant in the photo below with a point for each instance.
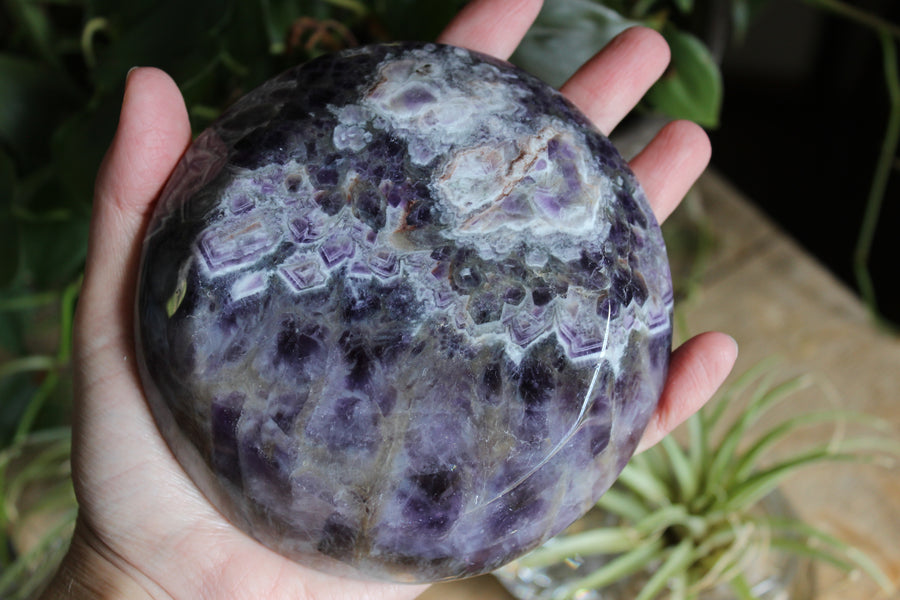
(688, 518)
(37, 495)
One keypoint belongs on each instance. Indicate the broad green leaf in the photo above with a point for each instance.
(414, 19)
(692, 87)
(54, 252)
(78, 148)
(565, 35)
(34, 99)
(684, 6)
(125, 14)
(33, 23)
(172, 35)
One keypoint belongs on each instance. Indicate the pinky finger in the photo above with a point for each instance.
(697, 369)
(670, 164)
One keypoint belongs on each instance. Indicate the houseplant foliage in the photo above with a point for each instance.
(62, 71)
(698, 33)
(685, 520)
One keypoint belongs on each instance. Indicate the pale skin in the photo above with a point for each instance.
(144, 530)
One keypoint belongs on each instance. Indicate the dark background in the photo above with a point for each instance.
(803, 120)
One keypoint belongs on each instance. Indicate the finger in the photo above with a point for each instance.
(697, 369)
(671, 164)
(609, 85)
(494, 27)
(153, 133)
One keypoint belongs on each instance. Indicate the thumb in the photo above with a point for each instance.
(152, 135)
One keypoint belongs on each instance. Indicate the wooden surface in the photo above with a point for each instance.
(776, 300)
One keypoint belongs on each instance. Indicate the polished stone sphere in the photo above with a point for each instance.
(403, 313)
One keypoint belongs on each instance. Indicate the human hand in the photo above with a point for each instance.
(143, 529)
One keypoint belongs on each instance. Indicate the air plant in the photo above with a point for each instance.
(692, 518)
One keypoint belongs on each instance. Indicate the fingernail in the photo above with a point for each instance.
(128, 74)
(736, 345)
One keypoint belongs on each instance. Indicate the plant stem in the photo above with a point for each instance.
(857, 15)
(880, 178)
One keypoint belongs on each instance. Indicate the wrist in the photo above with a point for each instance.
(87, 573)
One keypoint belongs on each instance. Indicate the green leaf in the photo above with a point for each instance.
(21, 580)
(678, 560)
(645, 484)
(741, 588)
(753, 489)
(78, 148)
(414, 19)
(660, 520)
(747, 461)
(621, 566)
(33, 101)
(698, 447)
(623, 504)
(713, 412)
(564, 36)
(688, 482)
(692, 86)
(606, 540)
(684, 6)
(835, 551)
(9, 229)
(654, 462)
(54, 252)
(172, 35)
(32, 21)
(764, 398)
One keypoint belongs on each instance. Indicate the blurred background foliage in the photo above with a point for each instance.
(62, 71)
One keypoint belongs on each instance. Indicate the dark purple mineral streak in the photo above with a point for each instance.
(403, 313)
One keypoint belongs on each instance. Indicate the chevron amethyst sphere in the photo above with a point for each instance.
(403, 313)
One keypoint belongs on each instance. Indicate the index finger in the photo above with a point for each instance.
(493, 27)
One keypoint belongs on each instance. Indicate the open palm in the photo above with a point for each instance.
(144, 530)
